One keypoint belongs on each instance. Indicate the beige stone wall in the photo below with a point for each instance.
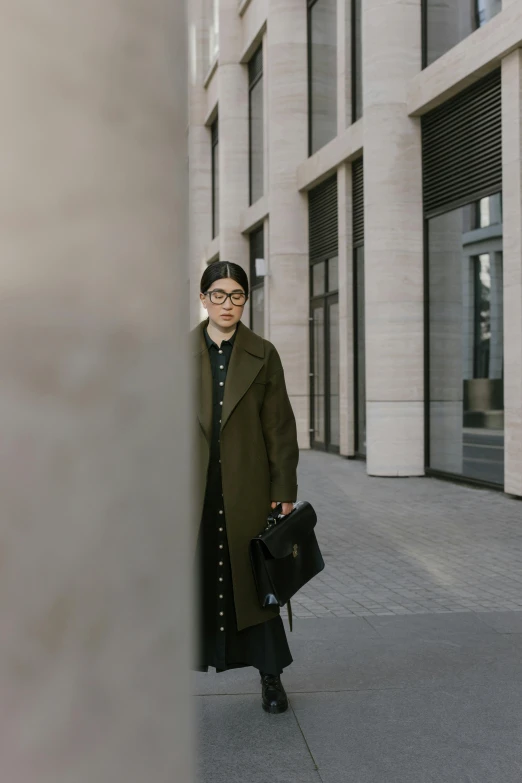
(94, 651)
(396, 94)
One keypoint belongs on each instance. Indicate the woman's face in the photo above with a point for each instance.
(224, 314)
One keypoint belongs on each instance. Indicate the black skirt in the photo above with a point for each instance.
(220, 644)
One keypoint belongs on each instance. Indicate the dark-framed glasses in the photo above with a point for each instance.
(219, 297)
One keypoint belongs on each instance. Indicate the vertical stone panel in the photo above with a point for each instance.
(94, 531)
(288, 225)
(512, 201)
(346, 299)
(394, 240)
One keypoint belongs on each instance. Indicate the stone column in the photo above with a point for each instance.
(512, 200)
(346, 297)
(288, 224)
(94, 657)
(233, 137)
(200, 155)
(393, 240)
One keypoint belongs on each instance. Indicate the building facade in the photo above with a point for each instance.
(362, 160)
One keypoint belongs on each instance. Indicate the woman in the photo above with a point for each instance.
(248, 451)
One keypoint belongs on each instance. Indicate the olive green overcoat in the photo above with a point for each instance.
(259, 452)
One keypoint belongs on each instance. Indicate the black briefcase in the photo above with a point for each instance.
(286, 555)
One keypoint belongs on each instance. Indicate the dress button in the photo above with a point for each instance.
(220, 578)
(221, 629)
(220, 562)
(220, 351)
(220, 512)
(220, 529)
(222, 367)
(221, 597)
(221, 383)
(221, 546)
(221, 403)
(221, 614)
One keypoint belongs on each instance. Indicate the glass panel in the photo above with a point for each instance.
(333, 333)
(215, 190)
(361, 354)
(257, 305)
(333, 274)
(357, 48)
(318, 378)
(256, 142)
(448, 23)
(323, 72)
(257, 250)
(466, 348)
(318, 279)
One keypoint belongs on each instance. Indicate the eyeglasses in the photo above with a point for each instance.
(219, 297)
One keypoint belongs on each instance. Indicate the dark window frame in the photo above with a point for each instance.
(357, 243)
(353, 57)
(214, 142)
(255, 75)
(256, 283)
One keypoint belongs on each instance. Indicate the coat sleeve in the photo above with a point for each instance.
(280, 434)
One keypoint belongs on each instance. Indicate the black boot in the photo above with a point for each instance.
(274, 697)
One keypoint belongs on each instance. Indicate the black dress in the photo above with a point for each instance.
(221, 645)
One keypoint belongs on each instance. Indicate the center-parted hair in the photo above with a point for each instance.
(218, 270)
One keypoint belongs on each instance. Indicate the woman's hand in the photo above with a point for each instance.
(287, 507)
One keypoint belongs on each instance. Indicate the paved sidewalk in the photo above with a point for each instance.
(402, 546)
(407, 651)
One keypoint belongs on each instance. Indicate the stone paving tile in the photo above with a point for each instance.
(408, 546)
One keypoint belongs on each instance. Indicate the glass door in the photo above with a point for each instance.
(324, 357)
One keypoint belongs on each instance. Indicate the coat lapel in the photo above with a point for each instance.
(246, 361)
(203, 380)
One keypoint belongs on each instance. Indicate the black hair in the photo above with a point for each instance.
(217, 270)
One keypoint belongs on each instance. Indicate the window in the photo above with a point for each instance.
(257, 281)
(256, 121)
(446, 24)
(322, 72)
(359, 306)
(215, 178)
(466, 344)
(357, 67)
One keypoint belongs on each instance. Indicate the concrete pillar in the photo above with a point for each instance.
(346, 298)
(93, 405)
(288, 224)
(200, 155)
(393, 240)
(233, 137)
(512, 200)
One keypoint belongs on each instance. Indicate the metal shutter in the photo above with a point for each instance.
(358, 202)
(324, 220)
(462, 147)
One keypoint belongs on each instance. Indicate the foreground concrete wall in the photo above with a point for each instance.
(94, 527)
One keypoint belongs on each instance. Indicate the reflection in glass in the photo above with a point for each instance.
(212, 10)
(333, 274)
(257, 304)
(466, 343)
(318, 378)
(448, 23)
(333, 358)
(360, 446)
(318, 278)
(323, 72)
(256, 127)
